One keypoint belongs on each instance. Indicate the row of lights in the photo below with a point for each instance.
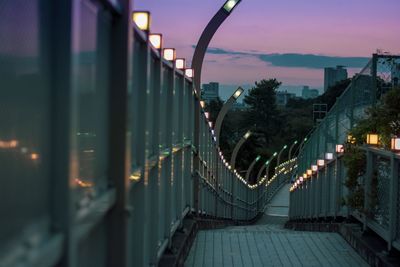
(142, 19)
(372, 139)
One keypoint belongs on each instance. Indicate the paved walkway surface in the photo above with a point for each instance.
(269, 244)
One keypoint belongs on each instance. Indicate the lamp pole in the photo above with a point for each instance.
(251, 167)
(205, 38)
(290, 150)
(225, 108)
(266, 165)
(237, 147)
(280, 154)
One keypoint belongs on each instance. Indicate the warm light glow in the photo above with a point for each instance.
(230, 4)
(372, 139)
(339, 148)
(189, 73)
(202, 104)
(314, 168)
(238, 92)
(305, 175)
(142, 20)
(321, 162)
(395, 144)
(309, 172)
(247, 135)
(328, 156)
(169, 54)
(8, 144)
(83, 183)
(156, 40)
(351, 139)
(34, 156)
(180, 63)
(135, 176)
(207, 114)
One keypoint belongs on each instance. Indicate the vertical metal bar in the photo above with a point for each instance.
(393, 211)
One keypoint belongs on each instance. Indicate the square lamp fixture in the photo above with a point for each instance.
(309, 172)
(230, 5)
(305, 175)
(202, 104)
(314, 168)
(169, 54)
(321, 162)
(142, 20)
(339, 148)
(372, 139)
(395, 144)
(156, 40)
(329, 156)
(207, 114)
(180, 63)
(189, 73)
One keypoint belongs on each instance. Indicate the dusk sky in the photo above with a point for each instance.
(249, 45)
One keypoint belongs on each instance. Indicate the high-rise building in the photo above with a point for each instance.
(309, 93)
(210, 92)
(396, 75)
(334, 75)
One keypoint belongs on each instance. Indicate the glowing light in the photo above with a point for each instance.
(351, 139)
(339, 148)
(156, 40)
(180, 63)
(247, 135)
(207, 114)
(230, 5)
(238, 92)
(309, 172)
(372, 139)
(169, 54)
(142, 20)
(8, 144)
(34, 156)
(189, 73)
(329, 156)
(314, 168)
(395, 144)
(321, 162)
(202, 104)
(82, 183)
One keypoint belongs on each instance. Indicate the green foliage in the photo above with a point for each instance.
(355, 162)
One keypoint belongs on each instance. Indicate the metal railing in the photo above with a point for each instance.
(321, 193)
(104, 148)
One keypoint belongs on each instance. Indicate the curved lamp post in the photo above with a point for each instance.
(237, 147)
(225, 108)
(279, 155)
(291, 148)
(251, 167)
(266, 165)
(206, 36)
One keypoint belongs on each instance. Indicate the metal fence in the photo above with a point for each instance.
(321, 193)
(104, 147)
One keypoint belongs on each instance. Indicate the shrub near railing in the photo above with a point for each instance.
(384, 120)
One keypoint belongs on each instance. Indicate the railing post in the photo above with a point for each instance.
(393, 211)
(367, 184)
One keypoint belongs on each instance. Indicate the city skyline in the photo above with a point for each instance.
(279, 42)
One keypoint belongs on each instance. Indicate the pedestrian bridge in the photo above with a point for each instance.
(106, 151)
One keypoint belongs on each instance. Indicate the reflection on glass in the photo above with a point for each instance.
(90, 76)
(24, 118)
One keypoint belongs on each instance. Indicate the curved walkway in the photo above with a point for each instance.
(268, 244)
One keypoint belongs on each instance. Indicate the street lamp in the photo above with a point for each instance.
(237, 147)
(279, 155)
(207, 35)
(225, 108)
(251, 167)
(266, 165)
